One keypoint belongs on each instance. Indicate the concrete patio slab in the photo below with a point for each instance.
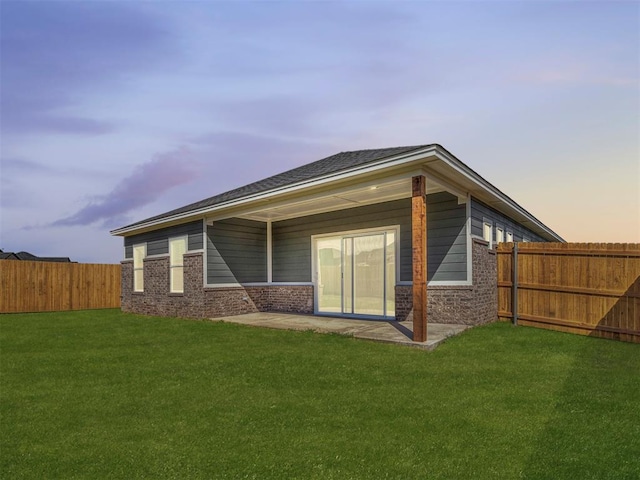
(376, 330)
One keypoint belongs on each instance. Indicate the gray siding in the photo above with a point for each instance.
(480, 211)
(292, 238)
(236, 251)
(158, 240)
(446, 237)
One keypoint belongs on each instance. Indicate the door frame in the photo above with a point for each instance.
(351, 233)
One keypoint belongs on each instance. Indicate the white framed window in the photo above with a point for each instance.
(509, 236)
(487, 232)
(139, 252)
(525, 239)
(499, 235)
(177, 249)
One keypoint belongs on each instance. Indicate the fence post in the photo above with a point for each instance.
(514, 284)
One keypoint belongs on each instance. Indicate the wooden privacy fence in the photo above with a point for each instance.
(51, 286)
(584, 288)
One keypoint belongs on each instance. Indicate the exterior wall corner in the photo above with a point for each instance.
(474, 304)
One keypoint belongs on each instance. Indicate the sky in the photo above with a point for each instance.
(115, 111)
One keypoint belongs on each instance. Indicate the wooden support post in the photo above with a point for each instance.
(419, 255)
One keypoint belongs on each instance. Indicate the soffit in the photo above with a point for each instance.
(365, 193)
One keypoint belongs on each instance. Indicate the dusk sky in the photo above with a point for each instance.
(116, 111)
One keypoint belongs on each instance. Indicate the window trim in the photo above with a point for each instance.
(499, 233)
(139, 268)
(509, 236)
(174, 267)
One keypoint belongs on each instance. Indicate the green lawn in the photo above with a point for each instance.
(101, 394)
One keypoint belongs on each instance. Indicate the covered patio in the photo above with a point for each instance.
(383, 235)
(379, 331)
(355, 265)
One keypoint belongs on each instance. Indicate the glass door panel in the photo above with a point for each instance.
(329, 275)
(369, 274)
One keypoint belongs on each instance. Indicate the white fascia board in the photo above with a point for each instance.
(372, 167)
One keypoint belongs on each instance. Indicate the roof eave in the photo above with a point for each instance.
(462, 168)
(403, 159)
(202, 212)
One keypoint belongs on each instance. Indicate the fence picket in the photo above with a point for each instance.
(49, 286)
(584, 288)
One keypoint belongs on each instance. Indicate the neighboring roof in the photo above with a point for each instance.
(340, 164)
(333, 164)
(31, 257)
(53, 259)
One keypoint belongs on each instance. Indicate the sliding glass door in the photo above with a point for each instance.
(356, 273)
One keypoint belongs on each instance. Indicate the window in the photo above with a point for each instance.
(177, 249)
(139, 252)
(525, 239)
(509, 236)
(487, 232)
(499, 235)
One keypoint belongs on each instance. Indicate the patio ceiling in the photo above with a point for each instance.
(377, 191)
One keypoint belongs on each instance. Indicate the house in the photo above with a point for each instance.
(8, 255)
(30, 257)
(390, 233)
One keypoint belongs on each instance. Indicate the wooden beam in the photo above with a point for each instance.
(419, 256)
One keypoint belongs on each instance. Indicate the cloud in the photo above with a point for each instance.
(145, 185)
(275, 115)
(572, 75)
(307, 66)
(236, 158)
(20, 166)
(19, 120)
(54, 53)
(15, 191)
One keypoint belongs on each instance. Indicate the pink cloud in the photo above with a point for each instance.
(146, 183)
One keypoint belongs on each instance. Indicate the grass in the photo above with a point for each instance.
(101, 394)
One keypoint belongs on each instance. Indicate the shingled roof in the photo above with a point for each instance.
(326, 166)
(30, 257)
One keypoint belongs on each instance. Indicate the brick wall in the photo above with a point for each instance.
(156, 299)
(485, 280)
(282, 298)
(199, 302)
(471, 305)
(404, 302)
(222, 302)
(126, 286)
(468, 305)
